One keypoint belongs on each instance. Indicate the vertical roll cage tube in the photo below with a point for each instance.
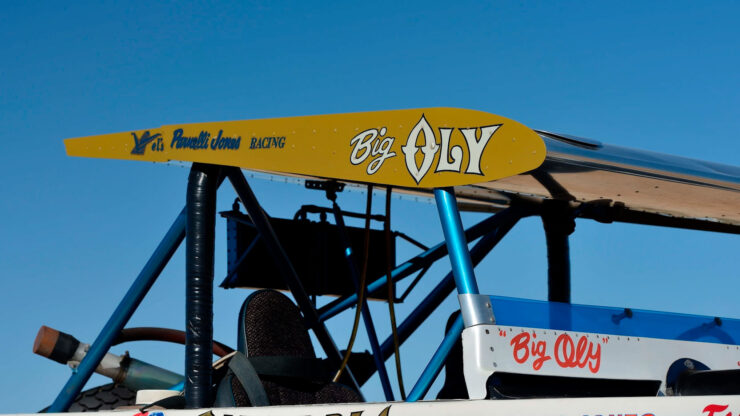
(457, 246)
(200, 245)
(559, 223)
(464, 276)
(122, 313)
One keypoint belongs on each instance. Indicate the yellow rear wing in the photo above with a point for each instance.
(428, 147)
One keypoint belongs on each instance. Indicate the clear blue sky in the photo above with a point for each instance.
(75, 232)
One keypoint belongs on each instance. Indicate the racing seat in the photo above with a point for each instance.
(275, 363)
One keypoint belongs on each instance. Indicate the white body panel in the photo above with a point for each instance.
(489, 348)
(624, 406)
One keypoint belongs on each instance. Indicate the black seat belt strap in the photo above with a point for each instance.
(313, 369)
(245, 372)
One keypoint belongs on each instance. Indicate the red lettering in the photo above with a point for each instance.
(594, 365)
(569, 354)
(564, 351)
(580, 351)
(521, 352)
(713, 408)
(539, 351)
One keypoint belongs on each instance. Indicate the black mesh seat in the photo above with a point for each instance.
(271, 328)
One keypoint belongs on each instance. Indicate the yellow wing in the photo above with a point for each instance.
(429, 147)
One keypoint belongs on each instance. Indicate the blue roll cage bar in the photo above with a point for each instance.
(196, 221)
